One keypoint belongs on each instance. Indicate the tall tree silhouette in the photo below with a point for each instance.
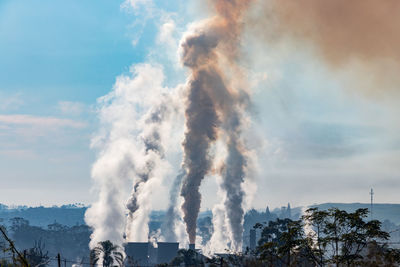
(108, 252)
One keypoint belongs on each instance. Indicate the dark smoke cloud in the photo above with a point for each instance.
(233, 177)
(201, 125)
(212, 108)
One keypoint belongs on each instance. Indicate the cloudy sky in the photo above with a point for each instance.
(321, 133)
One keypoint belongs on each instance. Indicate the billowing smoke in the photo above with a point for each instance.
(233, 179)
(201, 122)
(172, 216)
(132, 146)
(341, 29)
(360, 36)
(152, 153)
(215, 106)
(131, 118)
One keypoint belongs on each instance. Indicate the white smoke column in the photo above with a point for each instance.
(150, 174)
(172, 217)
(121, 147)
(220, 239)
(233, 179)
(215, 107)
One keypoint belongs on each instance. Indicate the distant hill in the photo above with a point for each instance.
(71, 215)
(68, 215)
(381, 212)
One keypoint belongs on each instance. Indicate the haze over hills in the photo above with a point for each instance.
(381, 211)
(68, 215)
(73, 214)
(63, 228)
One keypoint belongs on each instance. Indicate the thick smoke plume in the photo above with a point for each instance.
(130, 151)
(215, 106)
(360, 37)
(153, 154)
(343, 29)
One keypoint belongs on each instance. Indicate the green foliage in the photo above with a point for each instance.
(340, 237)
(324, 238)
(71, 242)
(188, 257)
(37, 256)
(281, 242)
(233, 260)
(108, 253)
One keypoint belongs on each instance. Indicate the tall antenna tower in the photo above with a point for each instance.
(372, 201)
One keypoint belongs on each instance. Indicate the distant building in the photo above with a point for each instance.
(137, 253)
(166, 251)
(147, 254)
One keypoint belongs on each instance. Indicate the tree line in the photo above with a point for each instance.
(319, 238)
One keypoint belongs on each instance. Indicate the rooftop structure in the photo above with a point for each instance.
(166, 251)
(149, 254)
(137, 253)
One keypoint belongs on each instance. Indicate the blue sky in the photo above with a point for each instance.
(69, 50)
(57, 57)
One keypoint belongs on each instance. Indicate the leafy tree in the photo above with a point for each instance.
(315, 221)
(17, 258)
(322, 238)
(189, 257)
(71, 242)
(109, 253)
(339, 237)
(380, 255)
(37, 256)
(232, 260)
(281, 242)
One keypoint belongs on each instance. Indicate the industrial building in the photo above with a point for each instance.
(150, 254)
(166, 251)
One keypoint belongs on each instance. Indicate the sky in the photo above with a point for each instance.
(317, 137)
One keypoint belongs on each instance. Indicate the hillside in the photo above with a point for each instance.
(381, 212)
(68, 215)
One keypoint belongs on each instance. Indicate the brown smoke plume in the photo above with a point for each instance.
(361, 36)
(214, 106)
(342, 29)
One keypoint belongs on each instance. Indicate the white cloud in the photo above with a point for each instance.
(10, 101)
(71, 108)
(166, 33)
(17, 119)
(135, 4)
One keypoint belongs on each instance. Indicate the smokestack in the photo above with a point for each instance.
(130, 145)
(153, 153)
(192, 247)
(216, 101)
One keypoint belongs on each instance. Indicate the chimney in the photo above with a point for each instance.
(192, 247)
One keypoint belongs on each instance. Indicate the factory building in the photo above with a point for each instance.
(137, 253)
(150, 254)
(166, 251)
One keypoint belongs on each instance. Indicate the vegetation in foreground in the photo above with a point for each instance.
(331, 237)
